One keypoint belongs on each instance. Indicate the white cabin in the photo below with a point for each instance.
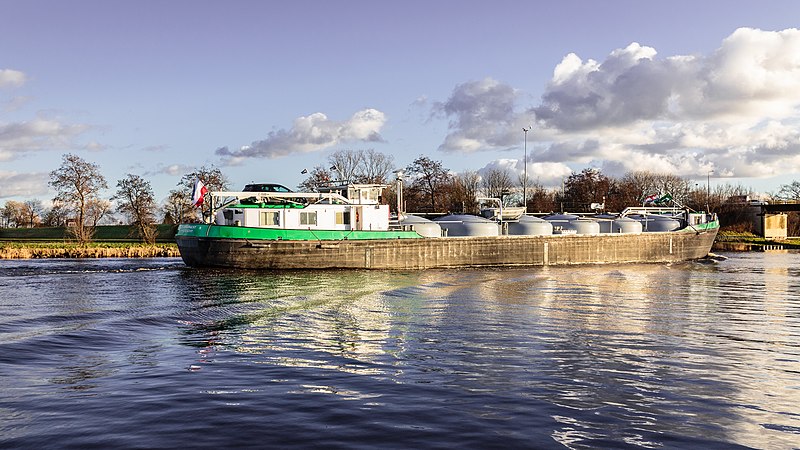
(344, 208)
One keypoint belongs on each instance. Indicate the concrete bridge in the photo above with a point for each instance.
(780, 206)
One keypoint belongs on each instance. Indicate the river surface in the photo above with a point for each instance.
(147, 353)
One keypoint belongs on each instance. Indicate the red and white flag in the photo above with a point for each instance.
(199, 193)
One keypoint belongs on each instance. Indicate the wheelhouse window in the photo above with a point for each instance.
(308, 218)
(270, 218)
(343, 218)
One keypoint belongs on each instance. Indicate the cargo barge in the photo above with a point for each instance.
(347, 227)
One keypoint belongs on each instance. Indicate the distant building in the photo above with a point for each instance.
(738, 199)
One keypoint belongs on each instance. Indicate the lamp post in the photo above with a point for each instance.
(708, 189)
(525, 170)
(399, 174)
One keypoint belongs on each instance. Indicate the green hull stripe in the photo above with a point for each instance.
(230, 232)
(704, 226)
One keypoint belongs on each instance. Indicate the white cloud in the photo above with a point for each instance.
(171, 170)
(546, 173)
(10, 78)
(176, 169)
(40, 134)
(483, 117)
(311, 133)
(13, 184)
(735, 110)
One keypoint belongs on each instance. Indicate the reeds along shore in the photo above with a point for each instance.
(69, 251)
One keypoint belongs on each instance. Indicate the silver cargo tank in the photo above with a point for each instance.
(423, 226)
(530, 226)
(572, 223)
(466, 225)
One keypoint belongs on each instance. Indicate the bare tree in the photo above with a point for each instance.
(789, 191)
(357, 166)
(136, 201)
(76, 182)
(376, 167)
(33, 211)
(96, 210)
(14, 214)
(633, 187)
(55, 216)
(177, 207)
(541, 199)
(459, 193)
(496, 183)
(211, 177)
(468, 184)
(587, 187)
(428, 176)
(346, 165)
(319, 176)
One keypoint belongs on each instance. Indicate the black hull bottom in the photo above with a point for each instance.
(447, 252)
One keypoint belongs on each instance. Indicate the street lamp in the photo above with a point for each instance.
(399, 174)
(708, 189)
(525, 176)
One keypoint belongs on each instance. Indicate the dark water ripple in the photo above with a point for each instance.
(150, 354)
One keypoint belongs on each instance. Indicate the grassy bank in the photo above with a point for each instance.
(17, 250)
(165, 234)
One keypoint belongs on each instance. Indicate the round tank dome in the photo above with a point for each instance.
(530, 226)
(654, 223)
(585, 226)
(572, 224)
(466, 225)
(626, 225)
(423, 226)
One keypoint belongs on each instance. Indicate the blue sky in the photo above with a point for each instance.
(264, 89)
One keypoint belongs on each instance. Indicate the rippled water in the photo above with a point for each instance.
(148, 353)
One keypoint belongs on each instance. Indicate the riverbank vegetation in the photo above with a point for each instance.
(26, 250)
(108, 242)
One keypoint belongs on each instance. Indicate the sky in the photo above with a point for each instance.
(265, 89)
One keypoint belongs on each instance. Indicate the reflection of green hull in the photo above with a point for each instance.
(259, 248)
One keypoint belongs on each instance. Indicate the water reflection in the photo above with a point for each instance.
(626, 343)
(649, 356)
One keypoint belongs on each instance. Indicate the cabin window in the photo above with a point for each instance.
(270, 218)
(343, 218)
(308, 218)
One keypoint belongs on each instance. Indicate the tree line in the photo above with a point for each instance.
(428, 187)
(78, 206)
